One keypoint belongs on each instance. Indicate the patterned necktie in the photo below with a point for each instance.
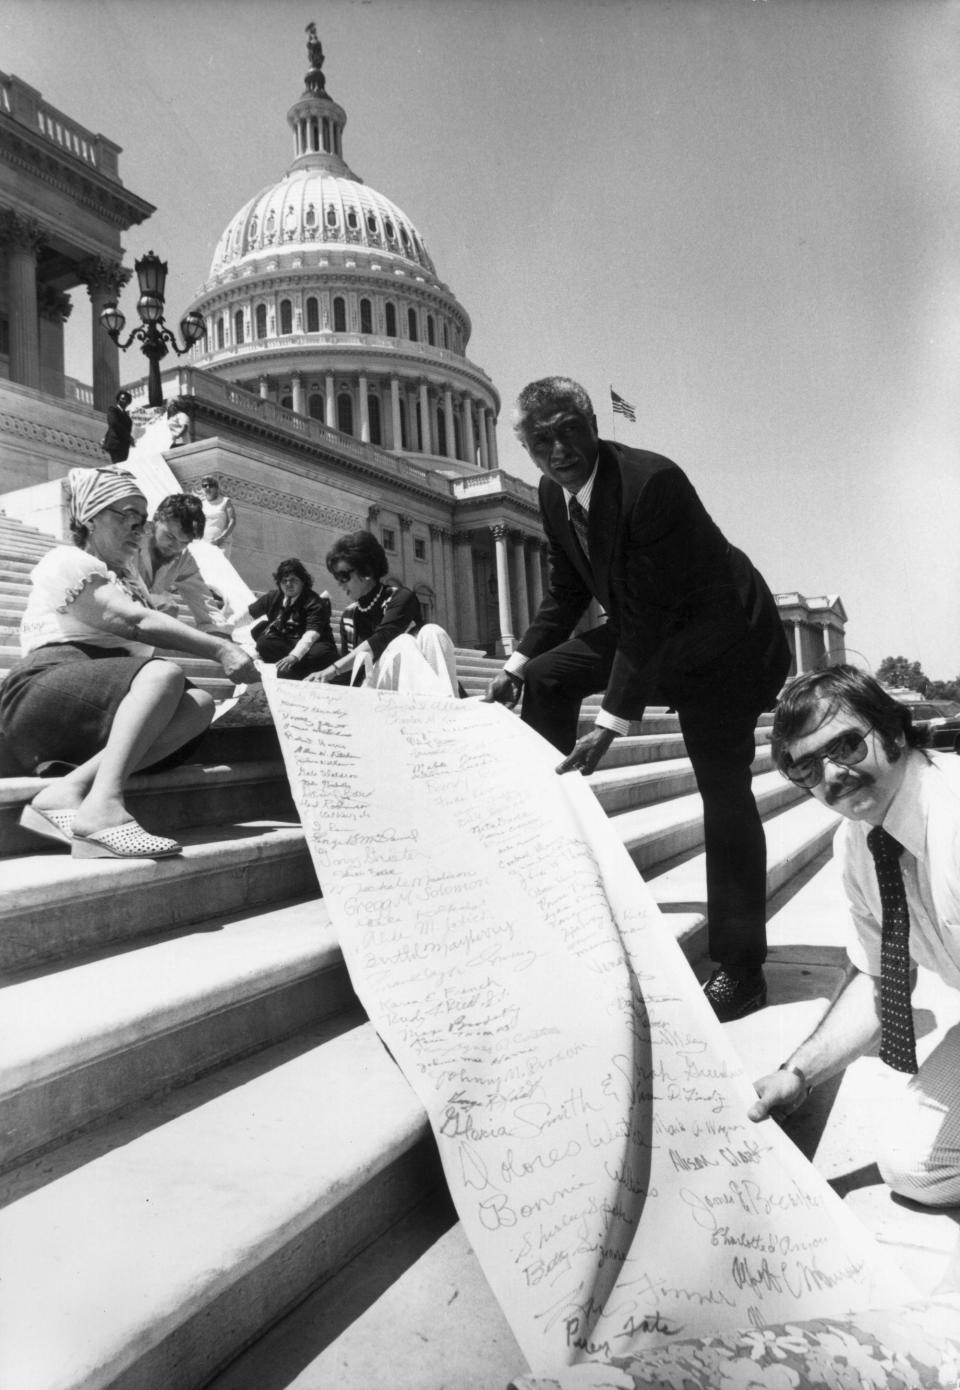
(897, 1041)
(578, 520)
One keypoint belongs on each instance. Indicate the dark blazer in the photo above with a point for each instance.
(119, 435)
(310, 611)
(676, 593)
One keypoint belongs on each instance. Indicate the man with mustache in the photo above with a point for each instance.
(844, 738)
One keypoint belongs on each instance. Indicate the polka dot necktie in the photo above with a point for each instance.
(897, 1040)
(578, 520)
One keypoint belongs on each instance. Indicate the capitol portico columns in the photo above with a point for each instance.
(448, 421)
(364, 409)
(406, 559)
(466, 590)
(330, 400)
(507, 639)
(104, 280)
(426, 442)
(297, 381)
(534, 575)
(492, 439)
(469, 440)
(395, 414)
(521, 604)
(22, 237)
(482, 430)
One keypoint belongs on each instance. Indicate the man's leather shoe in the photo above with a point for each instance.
(733, 996)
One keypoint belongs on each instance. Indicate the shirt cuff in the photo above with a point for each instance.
(514, 664)
(606, 720)
(304, 645)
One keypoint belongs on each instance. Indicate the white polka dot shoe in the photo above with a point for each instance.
(127, 841)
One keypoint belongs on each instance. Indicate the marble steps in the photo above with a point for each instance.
(89, 1033)
(193, 794)
(53, 906)
(663, 830)
(158, 1253)
(97, 1034)
(311, 1151)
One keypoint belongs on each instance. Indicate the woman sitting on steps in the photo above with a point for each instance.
(89, 690)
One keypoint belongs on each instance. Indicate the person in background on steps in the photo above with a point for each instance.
(295, 634)
(119, 436)
(89, 690)
(179, 423)
(847, 741)
(689, 620)
(168, 570)
(221, 517)
(384, 641)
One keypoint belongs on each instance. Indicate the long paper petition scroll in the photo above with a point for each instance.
(590, 1114)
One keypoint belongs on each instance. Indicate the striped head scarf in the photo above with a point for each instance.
(92, 490)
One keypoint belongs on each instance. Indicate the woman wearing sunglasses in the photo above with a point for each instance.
(384, 641)
(89, 691)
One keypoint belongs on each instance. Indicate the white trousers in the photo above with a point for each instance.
(919, 1153)
(421, 665)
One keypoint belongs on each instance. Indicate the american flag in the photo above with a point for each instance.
(622, 407)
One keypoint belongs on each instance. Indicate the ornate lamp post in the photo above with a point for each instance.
(152, 333)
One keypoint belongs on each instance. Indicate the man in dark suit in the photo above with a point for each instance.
(688, 621)
(119, 436)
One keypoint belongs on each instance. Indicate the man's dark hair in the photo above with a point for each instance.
(841, 688)
(550, 393)
(361, 552)
(297, 569)
(123, 398)
(184, 509)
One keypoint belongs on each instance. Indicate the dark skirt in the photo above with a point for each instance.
(58, 703)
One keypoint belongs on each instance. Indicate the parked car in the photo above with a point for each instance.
(941, 719)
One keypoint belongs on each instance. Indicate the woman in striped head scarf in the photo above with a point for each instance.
(89, 691)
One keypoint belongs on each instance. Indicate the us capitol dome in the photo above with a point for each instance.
(323, 298)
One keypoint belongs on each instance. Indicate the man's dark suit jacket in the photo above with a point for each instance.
(677, 594)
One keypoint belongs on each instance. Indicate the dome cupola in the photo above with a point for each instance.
(322, 296)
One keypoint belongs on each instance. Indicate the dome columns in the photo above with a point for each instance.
(395, 415)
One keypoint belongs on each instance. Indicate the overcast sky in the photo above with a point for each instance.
(741, 214)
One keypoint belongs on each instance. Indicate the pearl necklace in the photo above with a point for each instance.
(365, 607)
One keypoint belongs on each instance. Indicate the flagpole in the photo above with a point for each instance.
(613, 415)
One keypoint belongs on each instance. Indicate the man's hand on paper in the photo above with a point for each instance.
(588, 751)
(780, 1094)
(503, 690)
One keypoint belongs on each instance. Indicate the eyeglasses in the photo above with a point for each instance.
(343, 576)
(134, 519)
(847, 749)
(209, 482)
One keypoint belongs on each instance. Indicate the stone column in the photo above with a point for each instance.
(466, 634)
(364, 410)
(536, 588)
(518, 573)
(330, 399)
(264, 384)
(469, 439)
(448, 421)
(506, 642)
(426, 434)
(439, 574)
(104, 281)
(297, 382)
(395, 414)
(482, 432)
(532, 563)
(798, 649)
(492, 440)
(54, 308)
(22, 238)
(406, 558)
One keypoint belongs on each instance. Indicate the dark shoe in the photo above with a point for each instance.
(732, 996)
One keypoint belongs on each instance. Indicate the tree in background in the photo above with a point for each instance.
(897, 671)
